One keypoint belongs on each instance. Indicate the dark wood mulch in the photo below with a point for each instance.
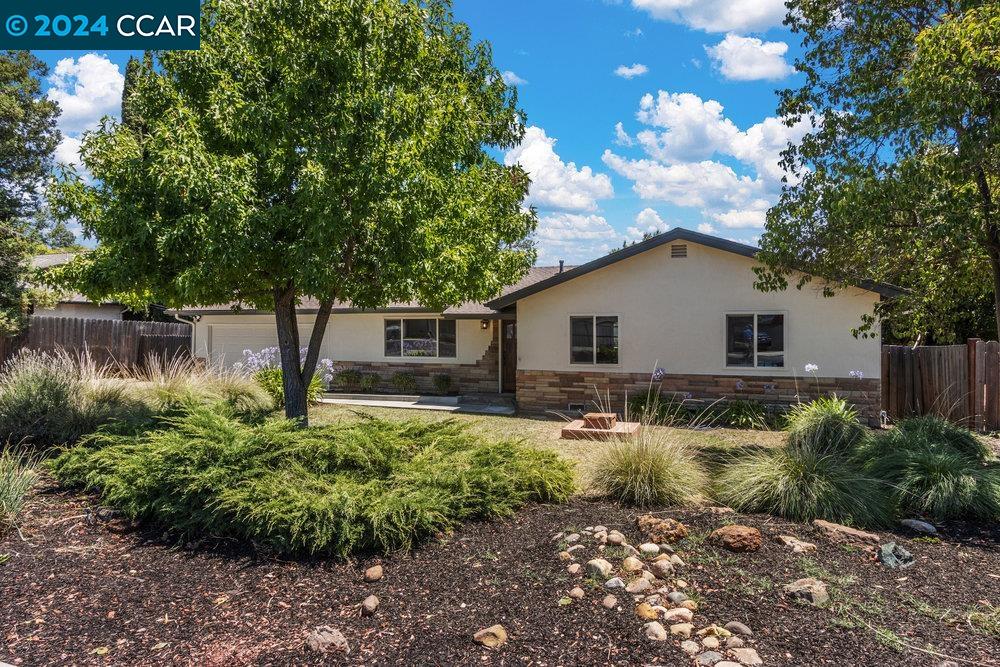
(84, 590)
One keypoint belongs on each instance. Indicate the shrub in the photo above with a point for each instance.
(404, 382)
(654, 408)
(442, 383)
(827, 424)
(936, 469)
(351, 487)
(369, 382)
(651, 468)
(804, 483)
(745, 414)
(272, 381)
(40, 395)
(17, 476)
(348, 379)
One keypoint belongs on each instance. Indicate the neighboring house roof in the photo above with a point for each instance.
(678, 234)
(467, 310)
(47, 261)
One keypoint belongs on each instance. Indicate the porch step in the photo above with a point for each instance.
(485, 404)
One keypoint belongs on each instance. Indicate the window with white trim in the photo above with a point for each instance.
(420, 337)
(593, 339)
(755, 340)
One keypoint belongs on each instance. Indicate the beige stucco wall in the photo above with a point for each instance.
(93, 311)
(349, 337)
(672, 314)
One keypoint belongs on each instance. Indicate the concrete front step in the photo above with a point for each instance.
(486, 404)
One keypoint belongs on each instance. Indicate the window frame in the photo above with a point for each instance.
(593, 332)
(755, 314)
(418, 358)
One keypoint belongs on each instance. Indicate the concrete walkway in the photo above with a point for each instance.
(480, 404)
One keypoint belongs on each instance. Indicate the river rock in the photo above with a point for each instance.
(708, 658)
(678, 615)
(374, 573)
(710, 642)
(491, 637)
(632, 564)
(662, 568)
(614, 582)
(649, 549)
(655, 632)
(577, 593)
(370, 605)
(640, 585)
(646, 612)
(599, 567)
(676, 597)
(812, 591)
(737, 538)
(690, 647)
(747, 656)
(324, 639)
(573, 568)
(609, 601)
(681, 630)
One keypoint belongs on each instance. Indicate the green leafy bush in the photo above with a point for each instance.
(357, 486)
(651, 468)
(17, 476)
(273, 382)
(744, 414)
(804, 483)
(369, 382)
(348, 379)
(936, 469)
(442, 383)
(827, 424)
(404, 382)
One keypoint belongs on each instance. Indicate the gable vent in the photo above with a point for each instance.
(679, 250)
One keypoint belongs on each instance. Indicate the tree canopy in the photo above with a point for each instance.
(28, 139)
(895, 183)
(329, 150)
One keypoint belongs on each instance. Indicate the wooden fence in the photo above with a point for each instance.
(121, 342)
(958, 382)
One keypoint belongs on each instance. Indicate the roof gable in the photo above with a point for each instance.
(678, 234)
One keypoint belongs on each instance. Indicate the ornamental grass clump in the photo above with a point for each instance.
(816, 475)
(17, 476)
(936, 469)
(655, 467)
(366, 485)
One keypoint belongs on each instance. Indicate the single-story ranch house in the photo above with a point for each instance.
(681, 304)
(73, 304)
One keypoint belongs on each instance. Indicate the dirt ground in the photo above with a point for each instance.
(84, 589)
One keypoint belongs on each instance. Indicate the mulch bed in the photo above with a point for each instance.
(86, 590)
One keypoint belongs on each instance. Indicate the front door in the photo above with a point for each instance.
(508, 341)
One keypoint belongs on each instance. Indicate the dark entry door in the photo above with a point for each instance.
(508, 336)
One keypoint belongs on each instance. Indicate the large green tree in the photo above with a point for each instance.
(896, 182)
(28, 139)
(333, 150)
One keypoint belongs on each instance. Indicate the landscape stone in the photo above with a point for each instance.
(655, 632)
(894, 556)
(690, 647)
(747, 656)
(369, 605)
(659, 530)
(374, 573)
(690, 604)
(615, 582)
(491, 637)
(324, 638)
(648, 576)
(812, 591)
(573, 568)
(735, 642)
(577, 593)
(614, 537)
(678, 615)
(557, 537)
(676, 561)
(708, 658)
(573, 537)
(680, 583)
(681, 630)
(610, 601)
(653, 599)
(565, 555)
(665, 548)
(600, 529)
(737, 538)
(676, 597)
(576, 547)
(797, 545)
(640, 585)
(632, 564)
(649, 549)
(714, 630)
(728, 663)
(646, 612)
(836, 531)
(662, 568)
(738, 628)
(599, 567)
(710, 642)
(919, 526)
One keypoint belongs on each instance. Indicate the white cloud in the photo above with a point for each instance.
(574, 237)
(68, 152)
(554, 183)
(750, 59)
(694, 128)
(706, 228)
(621, 136)
(637, 32)
(740, 218)
(762, 144)
(630, 72)
(86, 89)
(512, 79)
(647, 221)
(717, 15)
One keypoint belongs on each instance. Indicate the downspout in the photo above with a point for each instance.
(194, 330)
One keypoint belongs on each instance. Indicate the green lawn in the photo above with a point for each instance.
(715, 444)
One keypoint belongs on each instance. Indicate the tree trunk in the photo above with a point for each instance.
(296, 404)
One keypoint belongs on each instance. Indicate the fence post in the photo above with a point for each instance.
(975, 406)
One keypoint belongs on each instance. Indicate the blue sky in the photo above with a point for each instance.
(643, 114)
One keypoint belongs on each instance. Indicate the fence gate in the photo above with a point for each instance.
(958, 382)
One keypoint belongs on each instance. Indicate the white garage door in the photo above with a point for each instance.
(229, 340)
